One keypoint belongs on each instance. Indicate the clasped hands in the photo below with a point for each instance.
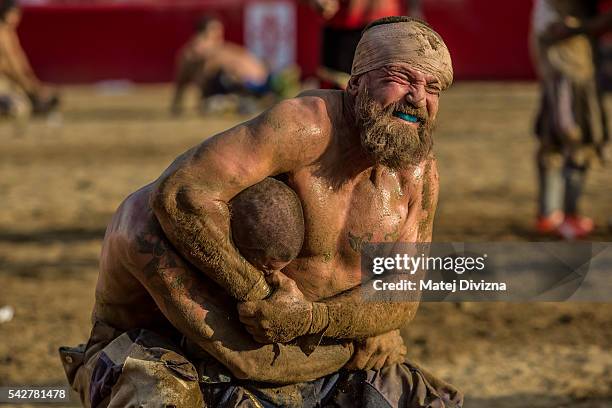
(287, 315)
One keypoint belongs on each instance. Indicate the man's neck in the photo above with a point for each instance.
(347, 112)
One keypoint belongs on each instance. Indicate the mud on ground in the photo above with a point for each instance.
(62, 179)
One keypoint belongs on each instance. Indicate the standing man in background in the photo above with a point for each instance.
(571, 124)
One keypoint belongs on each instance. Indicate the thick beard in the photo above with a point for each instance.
(389, 141)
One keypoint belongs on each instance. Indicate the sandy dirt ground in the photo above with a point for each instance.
(61, 180)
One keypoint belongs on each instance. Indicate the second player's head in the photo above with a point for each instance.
(267, 224)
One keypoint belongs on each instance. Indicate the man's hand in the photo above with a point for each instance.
(378, 352)
(280, 318)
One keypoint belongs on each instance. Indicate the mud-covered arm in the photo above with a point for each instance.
(350, 316)
(199, 310)
(287, 314)
(191, 197)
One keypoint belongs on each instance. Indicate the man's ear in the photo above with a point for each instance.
(353, 85)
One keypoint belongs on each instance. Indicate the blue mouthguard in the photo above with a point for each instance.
(407, 117)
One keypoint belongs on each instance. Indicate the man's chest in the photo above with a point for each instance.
(376, 206)
(339, 219)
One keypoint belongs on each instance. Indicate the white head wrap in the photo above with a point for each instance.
(412, 42)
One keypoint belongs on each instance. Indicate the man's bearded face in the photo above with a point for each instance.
(389, 140)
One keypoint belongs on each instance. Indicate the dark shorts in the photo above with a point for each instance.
(142, 368)
(222, 84)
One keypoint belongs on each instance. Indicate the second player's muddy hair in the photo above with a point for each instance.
(267, 221)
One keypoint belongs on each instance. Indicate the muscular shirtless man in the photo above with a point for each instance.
(21, 92)
(360, 161)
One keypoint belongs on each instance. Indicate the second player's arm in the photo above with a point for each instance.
(196, 307)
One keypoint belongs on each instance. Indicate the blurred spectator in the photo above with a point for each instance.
(218, 67)
(571, 124)
(21, 92)
(345, 19)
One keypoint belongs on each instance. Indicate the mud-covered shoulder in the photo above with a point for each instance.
(299, 127)
(325, 105)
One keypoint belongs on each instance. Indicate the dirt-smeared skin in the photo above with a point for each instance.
(429, 201)
(347, 198)
(144, 283)
(212, 246)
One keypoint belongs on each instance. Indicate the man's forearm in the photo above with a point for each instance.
(219, 333)
(276, 363)
(196, 308)
(202, 235)
(351, 316)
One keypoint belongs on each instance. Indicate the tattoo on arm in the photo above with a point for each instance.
(151, 242)
(171, 282)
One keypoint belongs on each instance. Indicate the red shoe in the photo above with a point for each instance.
(550, 223)
(574, 227)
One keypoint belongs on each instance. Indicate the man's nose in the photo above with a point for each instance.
(416, 95)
